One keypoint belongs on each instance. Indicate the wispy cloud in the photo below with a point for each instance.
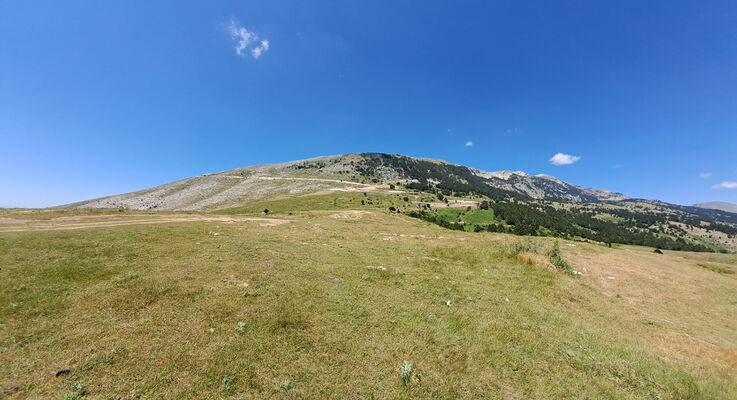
(725, 185)
(469, 144)
(244, 38)
(563, 159)
(705, 175)
(257, 51)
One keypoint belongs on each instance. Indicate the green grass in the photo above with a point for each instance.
(332, 201)
(129, 311)
(716, 268)
(479, 217)
(470, 218)
(451, 214)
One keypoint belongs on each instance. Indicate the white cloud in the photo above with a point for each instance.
(243, 38)
(563, 159)
(725, 185)
(469, 144)
(257, 51)
(705, 175)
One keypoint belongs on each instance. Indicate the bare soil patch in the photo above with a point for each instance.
(93, 221)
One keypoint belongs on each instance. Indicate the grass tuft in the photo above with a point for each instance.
(717, 268)
(405, 372)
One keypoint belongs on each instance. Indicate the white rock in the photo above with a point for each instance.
(610, 277)
(448, 303)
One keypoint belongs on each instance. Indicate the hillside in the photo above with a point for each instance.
(518, 203)
(344, 172)
(718, 205)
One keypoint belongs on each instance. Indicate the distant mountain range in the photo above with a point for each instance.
(718, 205)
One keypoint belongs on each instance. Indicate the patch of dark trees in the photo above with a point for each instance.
(544, 220)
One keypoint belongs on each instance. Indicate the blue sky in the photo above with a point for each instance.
(100, 97)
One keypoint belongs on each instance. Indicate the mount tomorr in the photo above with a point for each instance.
(344, 172)
(505, 201)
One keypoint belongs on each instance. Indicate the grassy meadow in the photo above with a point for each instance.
(330, 303)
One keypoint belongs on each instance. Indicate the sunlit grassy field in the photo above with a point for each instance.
(329, 304)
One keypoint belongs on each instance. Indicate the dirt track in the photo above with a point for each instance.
(93, 221)
(273, 178)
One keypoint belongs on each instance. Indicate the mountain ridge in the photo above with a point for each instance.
(718, 205)
(231, 187)
(519, 203)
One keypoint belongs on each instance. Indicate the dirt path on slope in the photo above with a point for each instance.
(272, 178)
(92, 221)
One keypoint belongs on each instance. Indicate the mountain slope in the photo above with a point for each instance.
(718, 205)
(511, 202)
(343, 172)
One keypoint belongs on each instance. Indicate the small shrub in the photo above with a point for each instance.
(519, 247)
(241, 328)
(78, 391)
(405, 371)
(658, 251)
(227, 382)
(556, 258)
(251, 293)
(285, 384)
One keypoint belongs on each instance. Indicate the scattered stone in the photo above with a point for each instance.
(212, 330)
(610, 277)
(507, 299)
(447, 303)
(63, 372)
(334, 280)
(571, 245)
(379, 267)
